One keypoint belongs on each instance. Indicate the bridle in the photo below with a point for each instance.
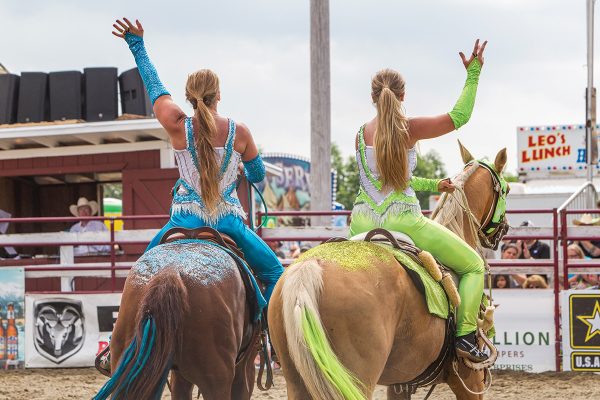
(495, 224)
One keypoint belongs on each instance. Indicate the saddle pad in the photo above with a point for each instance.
(352, 255)
(437, 301)
(152, 260)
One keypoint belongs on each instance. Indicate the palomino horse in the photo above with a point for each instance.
(184, 309)
(341, 329)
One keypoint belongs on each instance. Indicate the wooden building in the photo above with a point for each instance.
(46, 167)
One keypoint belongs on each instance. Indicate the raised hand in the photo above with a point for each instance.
(446, 185)
(121, 28)
(477, 52)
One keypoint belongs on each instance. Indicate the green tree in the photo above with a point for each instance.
(346, 177)
(429, 165)
(113, 190)
(510, 177)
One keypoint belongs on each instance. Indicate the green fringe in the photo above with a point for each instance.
(316, 340)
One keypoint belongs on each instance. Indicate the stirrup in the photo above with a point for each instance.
(265, 359)
(102, 362)
(488, 362)
(467, 347)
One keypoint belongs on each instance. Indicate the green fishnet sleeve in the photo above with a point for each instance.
(461, 113)
(424, 184)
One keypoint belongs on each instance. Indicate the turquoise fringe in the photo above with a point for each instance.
(146, 346)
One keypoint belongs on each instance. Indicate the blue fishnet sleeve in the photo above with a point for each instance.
(152, 82)
(255, 169)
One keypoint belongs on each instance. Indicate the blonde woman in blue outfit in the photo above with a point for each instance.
(386, 156)
(208, 148)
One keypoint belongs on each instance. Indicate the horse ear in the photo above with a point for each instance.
(465, 154)
(500, 160)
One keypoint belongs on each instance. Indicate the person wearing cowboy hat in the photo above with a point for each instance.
(86, 208)
(591, 248)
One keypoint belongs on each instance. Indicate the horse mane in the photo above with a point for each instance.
(449, 210)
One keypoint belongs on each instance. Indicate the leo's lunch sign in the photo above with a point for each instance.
(552, 151)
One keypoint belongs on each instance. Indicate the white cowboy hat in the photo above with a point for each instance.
(586, 219)
(74, 208)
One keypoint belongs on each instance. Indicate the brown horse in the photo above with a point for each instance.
(183, 310)
(340, 330)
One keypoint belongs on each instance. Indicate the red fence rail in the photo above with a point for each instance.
(559, 238)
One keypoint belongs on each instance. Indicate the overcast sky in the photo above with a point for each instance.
(534, 72)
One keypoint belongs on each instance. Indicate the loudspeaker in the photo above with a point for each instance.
(134, 98)
(65, 95)
(9, 97)
(100, 87)
(33, 97)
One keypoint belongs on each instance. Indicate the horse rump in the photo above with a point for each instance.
(145, 364)
(325, 377)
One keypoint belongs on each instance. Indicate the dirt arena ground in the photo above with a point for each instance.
(82, 383)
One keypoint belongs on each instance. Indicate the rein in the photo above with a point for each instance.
(264, 203)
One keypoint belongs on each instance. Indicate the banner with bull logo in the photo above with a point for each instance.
(12, 318)
(68, 330)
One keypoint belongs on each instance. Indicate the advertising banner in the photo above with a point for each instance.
(580, 310)
(68, 330)
(552, 151)
(12, 317)
(525, 333)
(290, 191)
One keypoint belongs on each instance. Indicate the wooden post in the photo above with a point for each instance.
(591, 138)
(320, 111)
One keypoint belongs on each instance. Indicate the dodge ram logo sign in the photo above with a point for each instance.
(59, 328)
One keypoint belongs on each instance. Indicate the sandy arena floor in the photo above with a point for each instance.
(82, 383)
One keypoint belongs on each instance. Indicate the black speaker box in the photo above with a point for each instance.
(100, 87)
(9, 97)
(134, 99)
(65, 95)
(34, 105)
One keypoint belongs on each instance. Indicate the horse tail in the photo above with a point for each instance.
(324, 375)
(145, 364)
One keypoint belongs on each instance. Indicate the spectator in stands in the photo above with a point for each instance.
(591, 248)
(501, 282)
(533, 248)
(535, 282)
(86, 208)
(277, 248)
(580, 281)
(510, 251)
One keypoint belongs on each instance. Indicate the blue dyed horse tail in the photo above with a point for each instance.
(145, 364)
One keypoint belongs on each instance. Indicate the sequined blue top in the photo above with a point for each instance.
(187, 194)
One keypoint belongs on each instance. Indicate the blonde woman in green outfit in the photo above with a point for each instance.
(386, 156)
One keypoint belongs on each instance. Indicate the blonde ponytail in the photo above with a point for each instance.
(201, 91)
(391, 138)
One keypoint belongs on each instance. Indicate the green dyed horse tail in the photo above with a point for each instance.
(145, 364)
(324, 375)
